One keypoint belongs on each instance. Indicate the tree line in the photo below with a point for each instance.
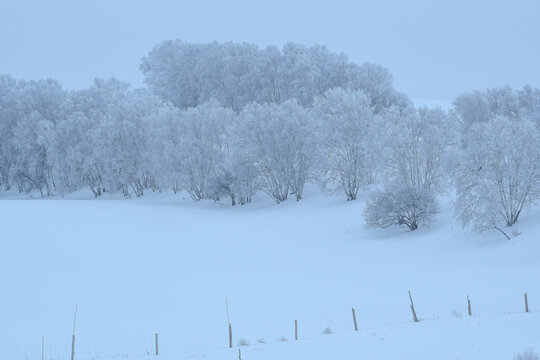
(223, 121)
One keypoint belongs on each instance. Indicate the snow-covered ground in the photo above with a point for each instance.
(163, 264)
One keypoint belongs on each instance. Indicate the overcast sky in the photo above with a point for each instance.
(434, 49)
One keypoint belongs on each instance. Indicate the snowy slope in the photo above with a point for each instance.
(162, 264)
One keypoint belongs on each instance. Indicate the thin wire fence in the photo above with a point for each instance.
(370, 318)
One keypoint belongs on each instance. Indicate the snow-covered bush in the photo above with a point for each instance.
(243, 342)
(499, 173)
(401, 205)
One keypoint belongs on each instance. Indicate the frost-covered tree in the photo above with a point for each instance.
(165, 141)
(276, 141)
(32, 169)
(195, 148)
(376, 82)
(189, 74)
(131, 141)
(204, 146)
(499, 173)
(419, 147)
(482, 106)
(37, 108)
(236, 178)
(8, 120)
(401, 205)
(84, 141)
(67, 149)
(345, 122)
(529, 104)
(244, 177)
(471, 108)
(103, 140)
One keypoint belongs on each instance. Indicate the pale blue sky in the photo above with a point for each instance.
(435, 49)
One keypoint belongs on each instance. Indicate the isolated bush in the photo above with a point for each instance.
(243, 342)
(403, 205)
(327, 330)
(528, 354)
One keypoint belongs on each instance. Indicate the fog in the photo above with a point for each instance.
(435, 50)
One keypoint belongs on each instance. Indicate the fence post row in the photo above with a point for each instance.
(355, 323)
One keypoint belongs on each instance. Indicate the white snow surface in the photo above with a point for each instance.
(163, 264)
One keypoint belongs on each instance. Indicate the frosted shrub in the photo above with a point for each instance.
(327, 331)
(243, 342)
(405, 205)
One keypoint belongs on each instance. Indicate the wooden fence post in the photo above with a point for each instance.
(73, 347)
(354, 320)
(415, 319)
(157, 344)
(526, 303)
(469, 309)
(42, 347)
(239, 354)
(73, 334)
(295, 330)
(230, 336)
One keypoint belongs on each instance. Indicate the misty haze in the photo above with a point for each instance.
(281, 180)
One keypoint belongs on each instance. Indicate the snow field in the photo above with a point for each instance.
(164, 264)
